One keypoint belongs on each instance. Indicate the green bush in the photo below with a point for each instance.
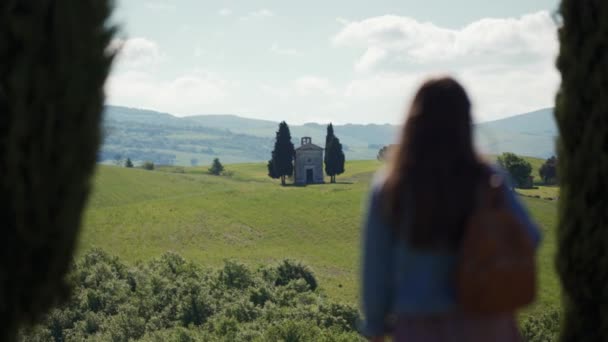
(148, 166)
(542, 326)
(216, 168)
(518, 168)
(170, 299)
(289, 271)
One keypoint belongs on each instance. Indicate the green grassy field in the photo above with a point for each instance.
(138, 214)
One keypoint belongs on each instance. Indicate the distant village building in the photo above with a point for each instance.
(308, 166)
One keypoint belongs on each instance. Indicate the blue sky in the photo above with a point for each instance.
(340, 61)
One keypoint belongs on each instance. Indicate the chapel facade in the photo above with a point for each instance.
(308, 164)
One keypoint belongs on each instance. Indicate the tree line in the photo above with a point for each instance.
(518, 168)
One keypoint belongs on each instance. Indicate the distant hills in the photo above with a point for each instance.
(166, 139)
(531, 134)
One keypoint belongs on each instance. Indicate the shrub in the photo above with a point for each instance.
(518, 168)
(148, 166)
(171, 299)
(542, 326)
(235, 275)
(216, 168)
(289, 270)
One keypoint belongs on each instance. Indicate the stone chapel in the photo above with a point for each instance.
(308, 164)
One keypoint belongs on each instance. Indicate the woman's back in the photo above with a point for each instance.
(417, 212)
(413, 283)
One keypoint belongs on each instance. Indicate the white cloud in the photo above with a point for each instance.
(275, 48)
(507, 65)
(186, 94)
(370, 58)
(136, 52)
(406, 40)
(503, 91)
(388, 85)
(313, 85)
(224, 12)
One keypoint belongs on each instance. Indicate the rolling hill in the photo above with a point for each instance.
(166, 139)
(139, 215)
(531, 134)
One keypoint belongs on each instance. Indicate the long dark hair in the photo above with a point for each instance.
(434, 170)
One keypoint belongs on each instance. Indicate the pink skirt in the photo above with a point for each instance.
(456, 327)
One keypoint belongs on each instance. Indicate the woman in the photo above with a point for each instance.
(417, 212)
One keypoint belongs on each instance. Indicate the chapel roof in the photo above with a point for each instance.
(309, 147)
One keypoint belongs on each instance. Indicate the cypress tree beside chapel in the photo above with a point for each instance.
(328, 138)
(334, 155)
(281, 164)
(54, 61)
(582, 119)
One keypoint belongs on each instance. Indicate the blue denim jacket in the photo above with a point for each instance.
(400, 279)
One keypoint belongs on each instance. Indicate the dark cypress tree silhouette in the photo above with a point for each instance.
(54, 60)
(216, 168)
(328, 156)
(548, 171)
(581, 115)
(281, 164)
(129, 163)
(271, 171)
(329, 136)
(334, 155)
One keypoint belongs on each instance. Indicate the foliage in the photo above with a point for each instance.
(518, 168)
(148, 165)
(581, 112)
(216, 168)
(128, 163)
(271, 170)
(548, 171)
(382, 153)
(334, 155)
(542, 326)
(289, 271)
(169, 298)
(53, 64)
(329, 136)
(282, 155)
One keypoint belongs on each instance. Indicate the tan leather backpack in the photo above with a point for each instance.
(496, 271)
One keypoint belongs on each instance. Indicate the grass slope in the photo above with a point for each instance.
(139, 214)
